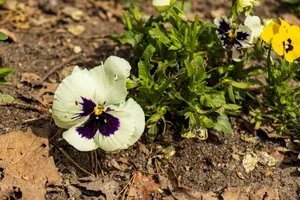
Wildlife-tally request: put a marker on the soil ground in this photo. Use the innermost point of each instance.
(41, 40)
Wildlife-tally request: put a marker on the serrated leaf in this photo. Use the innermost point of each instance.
(159, 35)
(213, 100)
(131, 38)
(223, 124)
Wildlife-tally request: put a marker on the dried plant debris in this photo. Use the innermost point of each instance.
(27, 169)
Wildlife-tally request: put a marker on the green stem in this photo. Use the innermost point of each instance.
(270, 75)
(182, 5)
(194, 36)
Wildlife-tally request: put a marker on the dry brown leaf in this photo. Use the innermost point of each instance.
(143, 186)
(26, 164)
(236, 193)
(185, 193)
(30, 78)
(266, 193)
(105, 184)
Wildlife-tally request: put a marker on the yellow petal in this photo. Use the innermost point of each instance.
(284, 23)
(277, 44)
(269, 31)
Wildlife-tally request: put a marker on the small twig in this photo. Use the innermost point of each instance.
(26, 106)
(126, 186)
(57, 132)
(36, 119)
(58, 67)
(71, 160)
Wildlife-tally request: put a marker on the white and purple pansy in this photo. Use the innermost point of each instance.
(234, 38)
(91, 105)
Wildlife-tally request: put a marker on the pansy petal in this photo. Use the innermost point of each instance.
(135, 110)
(68, 97)
(278, 41)
(236, 55)
(79, 142)
(284, 23)
(120, 137)
(269, 30)
(223, 25)
(111, 80)
(243, 34)
(254, 23)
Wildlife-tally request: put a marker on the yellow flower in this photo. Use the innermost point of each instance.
(269, 30)
(287, 41)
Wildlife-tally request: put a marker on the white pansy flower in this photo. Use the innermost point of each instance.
(254, 23)
(91, 105)
(162, 5)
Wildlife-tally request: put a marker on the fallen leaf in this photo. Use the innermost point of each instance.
(250, 162)
(76, 29)
(26, 164)
(265, 159)
(236, 193)
(142, 186)
(105, 184)
(185, 193)
(266, 193)
(30, 78)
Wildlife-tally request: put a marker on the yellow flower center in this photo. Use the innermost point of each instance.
(99, 109)
(231, 34)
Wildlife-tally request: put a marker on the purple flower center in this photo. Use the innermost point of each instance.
(105, 123)
(230, 37)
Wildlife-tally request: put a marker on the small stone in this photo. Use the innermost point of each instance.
(77, 49)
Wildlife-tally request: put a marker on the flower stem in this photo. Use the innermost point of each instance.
(270, 75)
(182, 5)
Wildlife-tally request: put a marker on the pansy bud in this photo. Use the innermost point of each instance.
(162, 5)
(246, 6)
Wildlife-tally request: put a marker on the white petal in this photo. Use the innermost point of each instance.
(111, 80)
(117, 66)
(80, 143)
(236, 55)
(133, 108)
(121, 136)
(68, 96)
(254, 23)
(161, 2)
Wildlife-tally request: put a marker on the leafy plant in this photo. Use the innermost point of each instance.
(181, 71)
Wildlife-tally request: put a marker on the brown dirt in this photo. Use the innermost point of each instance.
(201, 165)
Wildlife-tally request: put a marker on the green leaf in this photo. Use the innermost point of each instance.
(189, 68)
(240, 85)
(223, 124)
(3, 73)
(230, 93)
(152, 131)
(131, 38)
(158, 34)
(3, 36)
(213, 100)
